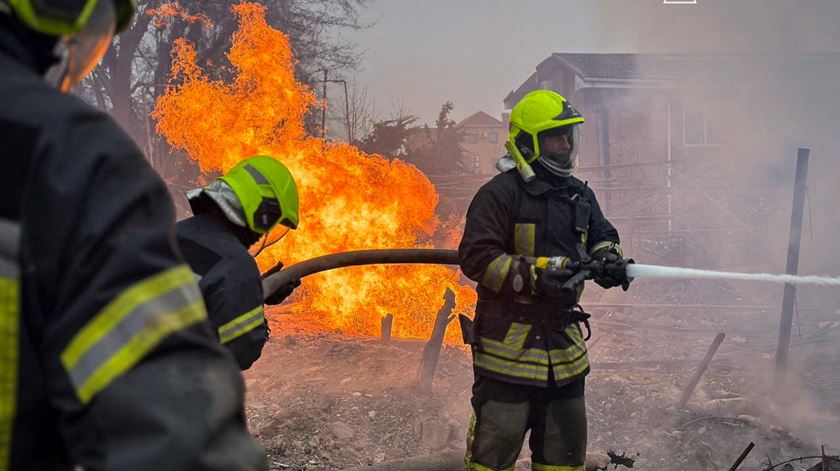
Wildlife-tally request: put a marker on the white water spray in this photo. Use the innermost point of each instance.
(635, 270)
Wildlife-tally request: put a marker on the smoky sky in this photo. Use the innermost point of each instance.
(422, 54)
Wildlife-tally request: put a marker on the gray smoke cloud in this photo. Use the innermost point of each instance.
(770, 26)
(770, 86)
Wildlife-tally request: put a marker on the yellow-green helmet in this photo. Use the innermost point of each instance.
(267, 192)
(67, 17)
(543, 113)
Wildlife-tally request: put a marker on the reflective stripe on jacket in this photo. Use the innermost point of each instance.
(522, 337)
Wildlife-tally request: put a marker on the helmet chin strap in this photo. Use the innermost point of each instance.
(556, 169)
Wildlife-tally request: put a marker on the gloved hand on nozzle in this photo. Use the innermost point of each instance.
(282, 292)
(615, 269)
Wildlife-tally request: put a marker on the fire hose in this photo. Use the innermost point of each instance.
(578, 272)
(273, 282)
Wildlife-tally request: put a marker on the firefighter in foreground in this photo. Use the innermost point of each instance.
(106, 358)
(254, 205)
(523, 231)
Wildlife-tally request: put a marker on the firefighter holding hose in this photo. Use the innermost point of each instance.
(524, 229)
(106, 357)
(234, 218)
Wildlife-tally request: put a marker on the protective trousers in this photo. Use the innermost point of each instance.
(504, 412)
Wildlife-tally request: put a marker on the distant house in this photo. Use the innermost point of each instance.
(635, 105)
(484, 142)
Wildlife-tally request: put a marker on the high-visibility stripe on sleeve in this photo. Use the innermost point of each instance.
(9, 335)
(129, 327)
(497, 271)
(524, 239)
(10, 233)
(552, 467)
(607, 244)
(241, 325)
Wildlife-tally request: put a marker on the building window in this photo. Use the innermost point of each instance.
(699, 130)
(492, 137)
(472, 137)
(476, 161)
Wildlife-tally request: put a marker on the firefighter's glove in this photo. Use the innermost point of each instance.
(552, 284)
(615, 269)
(282, 292)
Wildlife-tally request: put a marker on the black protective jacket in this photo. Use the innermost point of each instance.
(106, 358)
(528, 338)
(230, 284)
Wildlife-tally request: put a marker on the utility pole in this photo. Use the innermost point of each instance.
(792, 263)
(324, 107)
(347, 112)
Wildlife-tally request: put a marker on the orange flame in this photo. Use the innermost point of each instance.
(349, 200)
(170, 10)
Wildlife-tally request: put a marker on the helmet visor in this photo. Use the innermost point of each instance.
(559, 148)
(85, 49)
(274, 235)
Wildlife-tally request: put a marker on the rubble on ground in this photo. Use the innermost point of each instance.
(328, 401)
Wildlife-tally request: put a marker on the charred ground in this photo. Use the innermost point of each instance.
(328, 401)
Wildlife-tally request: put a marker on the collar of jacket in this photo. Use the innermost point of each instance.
(542, 184)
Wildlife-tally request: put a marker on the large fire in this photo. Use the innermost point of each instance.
(349, 200)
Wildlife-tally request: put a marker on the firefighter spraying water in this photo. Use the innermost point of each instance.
(532, 239)
(450, 257)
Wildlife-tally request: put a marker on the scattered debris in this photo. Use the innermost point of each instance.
(387, 323)
(622, 459)
(329, 401)
(431, 353)
(698, 373)
(827, 463)
(742, 457)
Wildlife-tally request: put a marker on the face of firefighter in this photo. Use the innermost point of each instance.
(80, 53)
(558, 149)
(556, 145)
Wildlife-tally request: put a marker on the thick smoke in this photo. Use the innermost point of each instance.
(770, 86)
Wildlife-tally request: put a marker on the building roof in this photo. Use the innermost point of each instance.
(626, 66)
(480, 119)
(626, 70)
